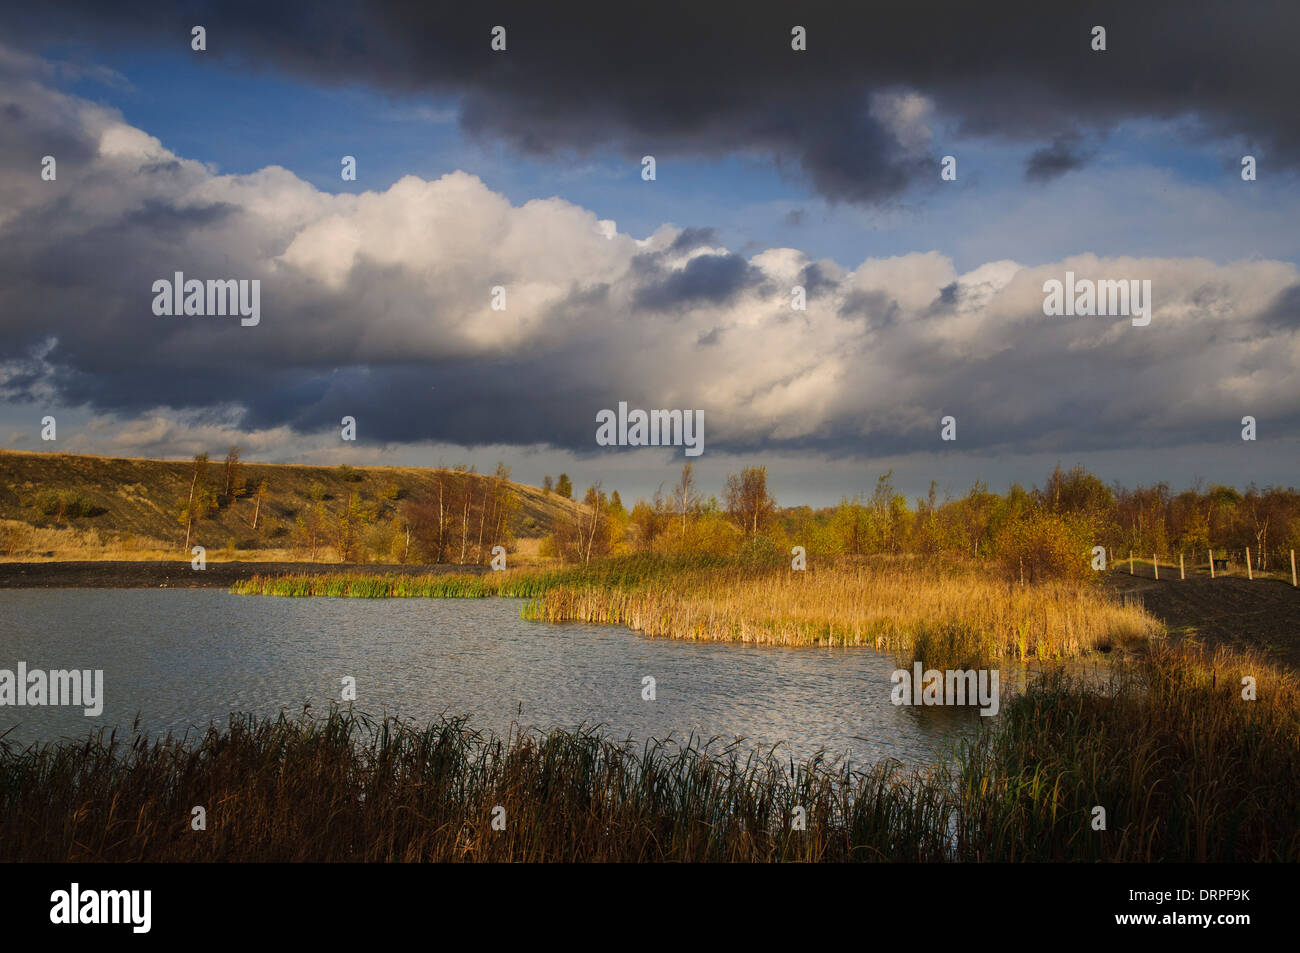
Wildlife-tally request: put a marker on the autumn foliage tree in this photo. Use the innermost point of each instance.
(748, 501)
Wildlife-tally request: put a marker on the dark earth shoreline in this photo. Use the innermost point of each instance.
(177, 574)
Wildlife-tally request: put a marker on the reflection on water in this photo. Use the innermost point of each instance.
(181, 658)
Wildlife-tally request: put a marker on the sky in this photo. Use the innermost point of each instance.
(775, 168)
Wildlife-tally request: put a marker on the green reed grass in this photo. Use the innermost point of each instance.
(625, 572)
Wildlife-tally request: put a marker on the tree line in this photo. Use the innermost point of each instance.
(1027, 533)
(460, 516)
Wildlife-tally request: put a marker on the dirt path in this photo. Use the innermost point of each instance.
(178, 574)
(1262, 614)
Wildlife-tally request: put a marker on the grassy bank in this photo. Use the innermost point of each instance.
(1185, 769)
(950, 616)
(65, 506)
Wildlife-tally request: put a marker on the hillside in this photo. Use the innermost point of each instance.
(60, 505)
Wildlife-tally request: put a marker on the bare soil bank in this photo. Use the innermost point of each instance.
(1231, 610)
(178, 574)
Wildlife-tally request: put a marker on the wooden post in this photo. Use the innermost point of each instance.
(1211, 563)
(1155, 564)
(1181, 574)
(1130, 562)
(1293, 567)
(1249, 573)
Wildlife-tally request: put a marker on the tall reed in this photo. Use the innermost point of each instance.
(947, 617)
(1185, 769)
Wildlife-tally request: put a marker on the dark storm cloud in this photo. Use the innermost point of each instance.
(711, 279)
(168, 221)
(398, 332)
(1285, 311)
(693, 238)
(815, 281)
(877, 306)
(682, 78)
(947, 299)
(1064, 155)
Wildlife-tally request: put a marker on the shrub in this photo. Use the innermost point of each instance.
(1043, 545)
(66, 505)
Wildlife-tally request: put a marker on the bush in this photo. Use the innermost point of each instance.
(14, 537)
(66, 505)
(761, 552)
(1043, 545)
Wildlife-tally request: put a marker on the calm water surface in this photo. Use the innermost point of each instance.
(182, 658)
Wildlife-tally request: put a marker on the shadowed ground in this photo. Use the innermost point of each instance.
(1263, 614)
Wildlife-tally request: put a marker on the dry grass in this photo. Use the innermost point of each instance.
(954, 617)
(22, 542)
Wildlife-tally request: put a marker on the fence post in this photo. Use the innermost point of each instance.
(1155, 564)
(1211, 563)
(1249, 572)
(1181, 574)
(1293, 567)
(1130, 562)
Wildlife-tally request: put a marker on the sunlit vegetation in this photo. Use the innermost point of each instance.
(75, 507)
(944, 613)
(454, 515)
(1024, 535)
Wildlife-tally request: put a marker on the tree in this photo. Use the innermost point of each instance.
(497, 507)
(199, 470)
(852, 524)
(257, 506)
(547, 485)
(684, 496)
(564, 487)
(346, 535)
(232, 478)
(646, 521)
(748, 501)
(597, 522)
(426, 525)
(618, 522)
(310, 528)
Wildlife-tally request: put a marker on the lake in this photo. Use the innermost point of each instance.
(181, 658)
